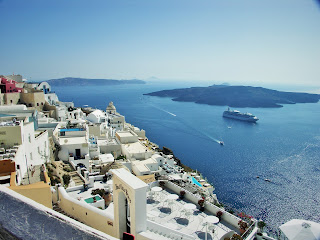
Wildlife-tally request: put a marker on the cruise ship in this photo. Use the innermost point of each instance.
(235, 114)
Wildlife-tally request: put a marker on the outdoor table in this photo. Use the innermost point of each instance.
(190, 206)
(208, 220)
(172, 197)
(156, 189)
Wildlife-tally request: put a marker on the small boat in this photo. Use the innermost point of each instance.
(229, 127)
(267, 180)
(258, 177)
(221, 143)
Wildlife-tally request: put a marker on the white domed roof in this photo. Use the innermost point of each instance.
(97, 113)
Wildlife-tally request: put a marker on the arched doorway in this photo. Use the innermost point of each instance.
(124, 214)
(129, 198)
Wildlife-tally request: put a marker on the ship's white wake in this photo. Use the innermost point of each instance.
(206, 136)
(172, 114)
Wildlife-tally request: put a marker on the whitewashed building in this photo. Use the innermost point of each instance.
(74, 143)
(21, 143)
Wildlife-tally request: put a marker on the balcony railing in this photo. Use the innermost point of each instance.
(248, 231)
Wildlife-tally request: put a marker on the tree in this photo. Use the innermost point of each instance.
(66, 179)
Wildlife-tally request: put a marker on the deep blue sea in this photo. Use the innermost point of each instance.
(283, 146)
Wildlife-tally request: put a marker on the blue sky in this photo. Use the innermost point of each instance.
(265, 41)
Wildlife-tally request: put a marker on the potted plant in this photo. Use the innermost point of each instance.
(261, 225)
(201, 204)
(219, 215)
(161, 184)
(236, 237)
(182, 193)
(243, 226)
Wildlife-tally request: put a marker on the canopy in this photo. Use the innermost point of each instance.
(298, 229)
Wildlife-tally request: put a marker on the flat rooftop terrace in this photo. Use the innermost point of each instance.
(72, 140)
(136, 147)
(176, 215)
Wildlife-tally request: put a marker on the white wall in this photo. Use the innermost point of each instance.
(41, 147)
(35, 149)
(71, 148)
(42, 222)
(61, 113)
(21, 164)
(13, 108)
(43, 84)
(51, 98)
(73, 134)
(87, 214)
(126, 137)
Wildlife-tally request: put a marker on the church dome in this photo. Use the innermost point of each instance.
(111, 107)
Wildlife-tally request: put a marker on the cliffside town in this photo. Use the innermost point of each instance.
(89, 172)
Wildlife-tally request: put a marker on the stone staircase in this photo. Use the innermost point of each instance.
(76, 178)
(56, 208)
(60, 166)
(33, 175)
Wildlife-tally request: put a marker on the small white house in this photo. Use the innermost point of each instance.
(126, 137)
(97, 116)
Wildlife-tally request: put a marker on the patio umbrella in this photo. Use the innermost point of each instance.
(298, 229)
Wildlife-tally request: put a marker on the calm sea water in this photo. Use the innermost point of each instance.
(284, 146)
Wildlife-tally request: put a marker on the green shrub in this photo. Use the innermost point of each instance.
(99, 191)
(121, 157)
(67, 169)
(66, 179)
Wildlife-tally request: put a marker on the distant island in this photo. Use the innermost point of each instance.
(70, 81)
(237, 96)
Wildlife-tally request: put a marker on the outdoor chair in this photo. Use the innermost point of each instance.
(171, 204)
(150, 195)
(189, 215)
(182, 212)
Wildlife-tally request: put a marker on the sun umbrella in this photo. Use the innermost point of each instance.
(298, 229)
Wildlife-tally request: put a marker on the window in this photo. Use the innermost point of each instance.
(37, 104)
(31, 156)
(29, 138)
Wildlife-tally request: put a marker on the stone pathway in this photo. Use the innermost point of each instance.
(33, 175)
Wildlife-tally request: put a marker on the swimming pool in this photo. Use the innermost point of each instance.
(90, 200)
(195, 181)
(71, 129)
